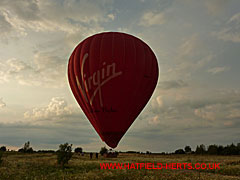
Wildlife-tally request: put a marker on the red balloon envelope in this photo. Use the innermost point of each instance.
(112, 76)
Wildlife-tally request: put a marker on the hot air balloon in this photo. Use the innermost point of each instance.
(112, 76)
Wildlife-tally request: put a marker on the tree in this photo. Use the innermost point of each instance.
(231, 150)
(179, 151)
(220, 150)
(3, 148)
(103, 151)
(26, 148)
(78, 150)
(64, 154)
(20, 150)
(1, 155)
(188, 149)
(148, 152)
(238, 148)
(212, 149)
(200, 149)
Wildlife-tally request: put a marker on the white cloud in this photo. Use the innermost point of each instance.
(221, 109)
(234, 113)
(228, 123)
(217, 70)
(5, 26)
(69, 17)
(150, 18)
(231, 31)
(215, 7)
(206, 113)
(189, 46)
(25, 9)
(154, 120)
(57, 108)
(13, 68)
(194, 108)
(159, 101)
(185, 67)
(172, 84)
(45, 70)
(111, 16)
(2, 104)
(190, 56)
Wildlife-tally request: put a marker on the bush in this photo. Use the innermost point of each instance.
(188, 149)
(103, 151)
(3, 148)
(148, 152)
(46, 151)
(64, 154)
(180, 151)
(78, 150)
(26, 148)
(200, 149)
(212, 149)
(1, 155)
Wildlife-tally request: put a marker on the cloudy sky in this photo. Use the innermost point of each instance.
(197, 99)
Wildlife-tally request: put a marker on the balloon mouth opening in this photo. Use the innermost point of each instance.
(112, 145)
(112, 138)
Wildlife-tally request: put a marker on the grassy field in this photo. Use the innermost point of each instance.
(43, 166)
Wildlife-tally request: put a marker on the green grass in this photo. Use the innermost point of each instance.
(44, 167)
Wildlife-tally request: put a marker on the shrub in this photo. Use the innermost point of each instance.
(212, 149)
(201, 149)
(188, 149)
(1, 155)
(180, 151)
(3, 148)
(103, 151)
(148, 152)
(26, 148)
(78, 150)
(64, 154)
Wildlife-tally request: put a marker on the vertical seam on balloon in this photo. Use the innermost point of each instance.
(124, 56)
(146, 66)
(130, 105)
(84, 85)
(83, 88)
(101, 39)
(98, 65)
(156, 71)
(151, 72)
(154, 59)
(138, 86)
(86, 104)
(112, 43)
(110, 137)
(89, 97)
(124, 59)
(72, 77)
(94, 114)
(144, 61)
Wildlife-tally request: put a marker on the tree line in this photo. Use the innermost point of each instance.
(214, 149)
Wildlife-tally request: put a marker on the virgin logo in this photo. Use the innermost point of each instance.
(96, 81)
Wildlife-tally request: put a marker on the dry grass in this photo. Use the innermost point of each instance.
(43, 167)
